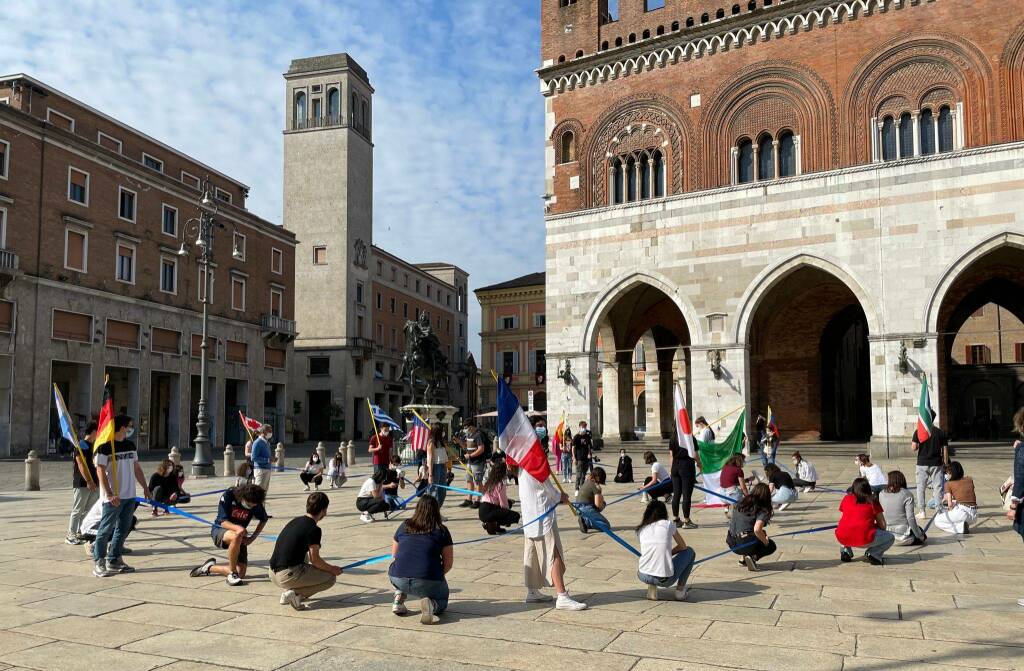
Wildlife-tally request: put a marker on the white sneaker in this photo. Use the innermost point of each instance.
(537, 596)
(1020, 602)
(566, 602)
(681, 593)
(398, 605)
(427, 607)
(366, 517)
(806, 489)
(290, 598)
(234, 580)
(783, 507)
(306, 489)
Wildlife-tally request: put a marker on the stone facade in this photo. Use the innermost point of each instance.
(93, 215)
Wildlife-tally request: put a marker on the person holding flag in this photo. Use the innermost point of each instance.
(262, 457)
(83, 484)
(117, 462)
(685, 463)
(543, 557)
(932, 448)
(381, 442)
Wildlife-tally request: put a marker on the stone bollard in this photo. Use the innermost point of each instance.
(279, 453)
(229, 461)
(343, 453)
(175, 456)
(32, 472)
(322, 451)
(350, 451)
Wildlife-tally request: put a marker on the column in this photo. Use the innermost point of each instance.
(756, 167)
(935, 130)
(797, 147)
(958, 126)
(577, 400)
(652, 392)
(734, 154)
(625, 185)
(775, 156)
(915, 118)
(611, 186)
(650, 177)
(876, 140)
(715, 398)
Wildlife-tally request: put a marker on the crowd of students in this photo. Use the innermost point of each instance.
(876, 512)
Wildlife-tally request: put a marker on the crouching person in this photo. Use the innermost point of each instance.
(289, 569)
(237, 508)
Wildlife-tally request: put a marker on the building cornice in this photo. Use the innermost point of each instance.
(731, 34)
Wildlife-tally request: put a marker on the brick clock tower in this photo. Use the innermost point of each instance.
(328, 203)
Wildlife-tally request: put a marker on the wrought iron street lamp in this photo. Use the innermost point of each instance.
(201, 229)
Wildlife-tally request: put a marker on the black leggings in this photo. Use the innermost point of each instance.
(502, 517)
(368, 504)
(757, 550)
(309, 477)
(682, 489)
(664, 489)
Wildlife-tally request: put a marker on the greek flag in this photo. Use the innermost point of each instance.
(382, 418)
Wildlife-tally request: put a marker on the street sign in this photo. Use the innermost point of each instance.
(529, 400)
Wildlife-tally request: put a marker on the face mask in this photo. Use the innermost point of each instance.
(129, 433)
(247, 505)
(946, 477)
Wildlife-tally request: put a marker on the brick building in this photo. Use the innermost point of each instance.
(93, 215)
(353, 296)
(512, 324)
(796, 203)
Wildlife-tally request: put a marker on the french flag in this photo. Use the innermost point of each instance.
(516, 436)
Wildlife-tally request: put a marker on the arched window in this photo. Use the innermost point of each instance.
(675, 26)
(568, 147)
(647, 35)
(926, 126)
(787, 155)
(632, 38)
(334, 105)
(660, 30)
(765, 158)
(366, 115)
(300, 107)
(689, 22)
(604, 46)
(945, 129)
(561, 59)
(745, 162)
(579, 53)
(354, 114)
(704, 18)
(888, 139)
(644, 166)
(752, 5)
(659, 175)
(618, 41)
(906, 135)
(630, 179)
(735, 9)
(720, 14)
(617, 184)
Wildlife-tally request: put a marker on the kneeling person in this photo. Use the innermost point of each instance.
(590, 502)
(288, 567)
(237, 508)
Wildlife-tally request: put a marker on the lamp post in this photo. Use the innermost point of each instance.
(202, 227)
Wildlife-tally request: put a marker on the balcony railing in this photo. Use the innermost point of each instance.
(318, 122)
(8, 260)
(277, 324)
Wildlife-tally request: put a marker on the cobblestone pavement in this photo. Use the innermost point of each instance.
(949, 604)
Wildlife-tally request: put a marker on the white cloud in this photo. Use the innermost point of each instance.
(458, 122)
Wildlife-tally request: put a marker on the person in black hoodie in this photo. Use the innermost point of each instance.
(163, 485)
(624, 472)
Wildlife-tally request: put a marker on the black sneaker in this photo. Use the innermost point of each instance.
(73, 540)
(118, 566)
(678, 523)
(99, 569)
(689, 525)
(875, 561)
(466, 504)
(583, 524)
(203, 569)
(845, 555)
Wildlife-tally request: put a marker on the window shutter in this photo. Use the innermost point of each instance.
(515, 362)
(531, 362)
(967, 355)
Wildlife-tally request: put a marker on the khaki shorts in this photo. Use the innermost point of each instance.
(538, 557)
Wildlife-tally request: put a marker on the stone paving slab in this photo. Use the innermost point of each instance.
(244, 652)
(91, 631)
(65, 656)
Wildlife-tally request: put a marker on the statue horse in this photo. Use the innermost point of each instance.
(424, 361)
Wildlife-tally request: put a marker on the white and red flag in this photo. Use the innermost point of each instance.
(683, 428)
(517, 438)
(249, 422)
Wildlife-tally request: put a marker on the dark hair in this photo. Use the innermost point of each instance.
(700, 420)
(897, 481)
(470, 423)
(771, 470)
(495, 475)
(92, 426)
(437, 434)
(314, 453)
(757, 501)
(396, 459)
(600, 477)
(121, 421)
(378, 477)
(655, 512)
(317, 503)
(864, 458)
(736, 460)
(649, 457)
(426, 517)
(252, 493)
(862, 490)
(244, 469)
(955, 470)
(797, 456)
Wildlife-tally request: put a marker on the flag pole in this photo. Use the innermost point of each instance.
(373, 421)
(245, 426)
(731, 412)
(80, 456)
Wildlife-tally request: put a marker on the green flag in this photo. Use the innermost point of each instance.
(714, 455)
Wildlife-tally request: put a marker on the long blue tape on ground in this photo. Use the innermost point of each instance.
(751, 543)
(639, 491)
(182, 513)
(216, 491)
(459, 490)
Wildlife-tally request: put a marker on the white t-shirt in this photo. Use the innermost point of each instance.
(806, 471)
(440, 455)
(122, 474)
(874, 475)
(314, 468)
(536, 498)
(367, 489)
(656, 543)
(659, 472)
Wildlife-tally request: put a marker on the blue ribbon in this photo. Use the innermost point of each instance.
(459, 490)
(216, 491)
(640, 491)
(182, 513)
(756, 540)
(718, 494)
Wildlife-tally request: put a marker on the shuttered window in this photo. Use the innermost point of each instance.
(238, 293)
(76, 249)
(165, 341)
(6, 316)
(197, 346)
(274, 357)
(72, 326)
(122, 334)
(237, 352)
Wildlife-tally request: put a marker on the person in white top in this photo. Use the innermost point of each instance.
(872, 472)
(806, 474)
(543, 557)
(665, 559)
(659, 478)
(704, 433)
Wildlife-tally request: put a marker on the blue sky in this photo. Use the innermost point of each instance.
(458, 117)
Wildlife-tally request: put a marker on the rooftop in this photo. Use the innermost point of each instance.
(340, 61)
(531, 280)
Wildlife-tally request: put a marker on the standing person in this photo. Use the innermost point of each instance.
(566, 446)
(898, 507)
(582, 454)
(495, 511)
(288, 567)
(872, 473)
(261, 457)
(163, 485)
(659, 480)
(336, 470)
(543, 557)
(236, 509)
(370, 499)
(806, 474)
(767, 441)
(84, 489)
(704, 433)
(624, 471)
(476, 455)
(683, 471)
(1016, 512)
(590, 502)
(437, 460)
(862, 524)
(381, 444)
(117, 471)
(932, 456)
(746, 536)
(781, 485)
(423, 554)
(313, 471)
(960, 501)
(542, 432)
(665, 559)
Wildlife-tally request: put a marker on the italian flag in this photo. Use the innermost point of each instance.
(924, 414)
(713, 457)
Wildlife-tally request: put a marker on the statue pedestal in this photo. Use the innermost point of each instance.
(432, 413)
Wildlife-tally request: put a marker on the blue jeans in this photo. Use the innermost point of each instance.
(769, 459)
(592, 517)
(394, 502)
(784, 495)
(115, 524)
(437, 590)
(682, 564)
(883, 541)
(440, 473)
(566, 468)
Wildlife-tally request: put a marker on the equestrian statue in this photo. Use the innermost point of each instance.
(425, 364)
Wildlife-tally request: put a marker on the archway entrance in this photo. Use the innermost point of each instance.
(809, 358)
(643, 344)
(981, 347)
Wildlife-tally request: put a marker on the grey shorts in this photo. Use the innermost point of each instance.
(478, 472)
(218, 539)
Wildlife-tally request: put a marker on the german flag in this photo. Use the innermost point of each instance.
(105, 428)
